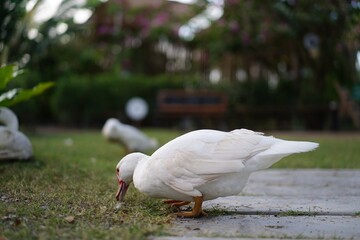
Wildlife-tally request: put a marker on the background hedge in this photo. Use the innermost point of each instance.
(84, 100)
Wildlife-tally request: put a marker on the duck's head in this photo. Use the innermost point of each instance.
(125, 171)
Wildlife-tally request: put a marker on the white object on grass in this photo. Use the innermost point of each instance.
(129, 136)
(13, 143)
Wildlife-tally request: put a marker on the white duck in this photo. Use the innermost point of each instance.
(203, 165)
(13, 144)
(130, 137)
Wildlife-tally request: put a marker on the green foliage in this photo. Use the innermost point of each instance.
(88, 100)
(15, 10)
(6, 74)
(267, 33)
(12, 25)
(273, 32)
(16, 95)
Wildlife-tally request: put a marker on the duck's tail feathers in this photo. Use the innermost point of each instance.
(279, 150)
(289, 147)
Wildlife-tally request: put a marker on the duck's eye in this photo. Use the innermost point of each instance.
(117, 170)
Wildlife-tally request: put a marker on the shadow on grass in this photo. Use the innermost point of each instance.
(32, 162)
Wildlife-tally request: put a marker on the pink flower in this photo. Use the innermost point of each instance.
(142, 21)
(104, 29)
(144, 33)
(160, 19)
(234, 26)
(245, 38)
(231, 2)
(221, 22)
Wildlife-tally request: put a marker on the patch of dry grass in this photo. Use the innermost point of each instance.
(68, 191)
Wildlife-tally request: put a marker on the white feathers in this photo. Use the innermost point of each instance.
(13, 144)
(130, 137)
(209, 163)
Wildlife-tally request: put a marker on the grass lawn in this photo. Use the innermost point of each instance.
(68, 189)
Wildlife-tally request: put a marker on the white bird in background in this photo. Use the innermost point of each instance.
(13, 144)
(130, 137)
(203, 165)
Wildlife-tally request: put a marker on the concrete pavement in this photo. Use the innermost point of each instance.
(288, 204)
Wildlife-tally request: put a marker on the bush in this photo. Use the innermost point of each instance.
(85, 100)
(90, 100)
(258, 93)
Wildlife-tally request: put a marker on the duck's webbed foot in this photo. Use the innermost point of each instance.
(176, 203)
(196, 211)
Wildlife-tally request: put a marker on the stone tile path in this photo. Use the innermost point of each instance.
(302, 204)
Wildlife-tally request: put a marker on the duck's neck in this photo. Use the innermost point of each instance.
(132, 161)
(8, 119)
(141, 169)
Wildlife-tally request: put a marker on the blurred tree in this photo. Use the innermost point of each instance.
(129, 32)
(14, 23)
(299, 47)
(28, 39)
(12, 13)
(26, 34)
(313, 43)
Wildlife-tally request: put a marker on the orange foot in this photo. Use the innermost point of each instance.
(196, 211)
(175, 203)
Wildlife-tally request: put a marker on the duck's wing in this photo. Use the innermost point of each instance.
(205, 155)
